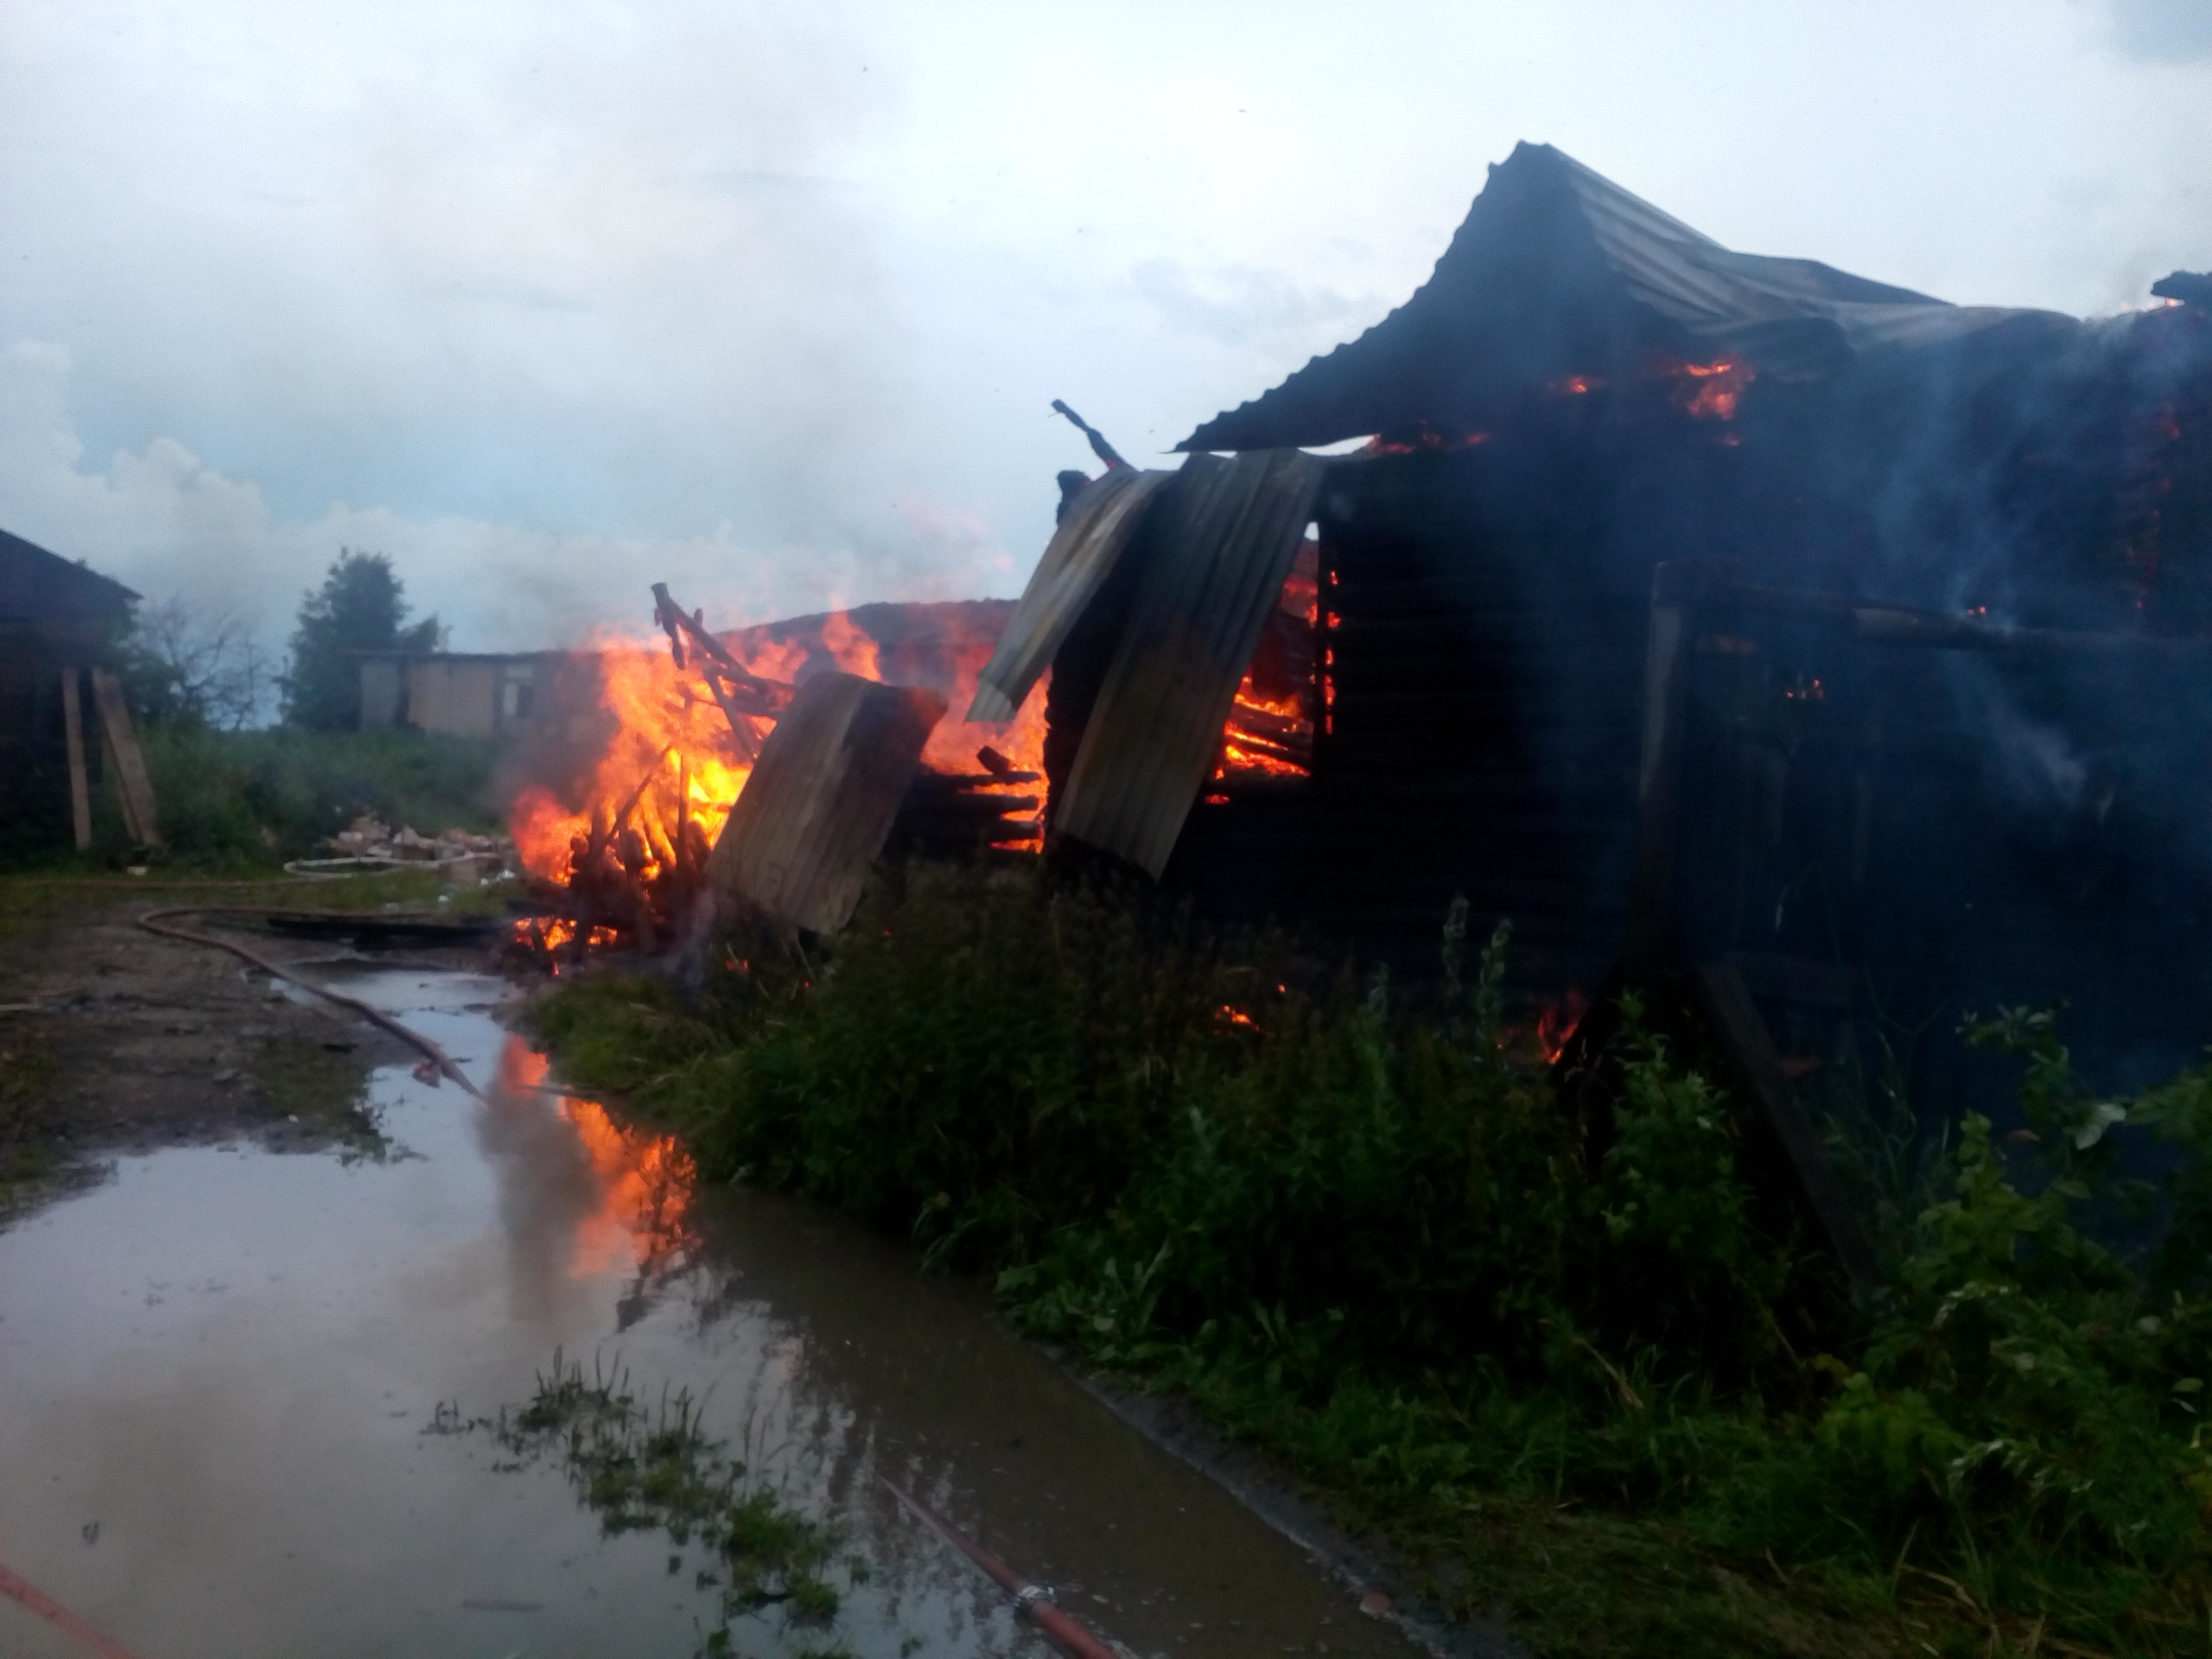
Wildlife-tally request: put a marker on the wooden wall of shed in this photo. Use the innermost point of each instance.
(34, 754)
(1482, 616)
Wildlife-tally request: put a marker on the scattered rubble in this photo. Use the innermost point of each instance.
(461, 857)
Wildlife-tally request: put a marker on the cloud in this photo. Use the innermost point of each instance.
(162, 521)
(1236, 304)
(2162, 31)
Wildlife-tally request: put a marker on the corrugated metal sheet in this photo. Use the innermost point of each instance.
(1547, 246)
(822, 799)
(1082, 554)
(1215, 554)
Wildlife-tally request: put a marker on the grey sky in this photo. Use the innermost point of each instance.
(553, 301)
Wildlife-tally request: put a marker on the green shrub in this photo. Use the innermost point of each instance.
(275, 793)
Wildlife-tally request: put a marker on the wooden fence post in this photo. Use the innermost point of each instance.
(137, 789)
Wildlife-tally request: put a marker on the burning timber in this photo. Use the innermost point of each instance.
(706, 727)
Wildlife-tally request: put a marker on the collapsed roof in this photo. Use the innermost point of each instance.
(1559, 271)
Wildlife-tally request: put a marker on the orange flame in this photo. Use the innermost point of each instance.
(673, 751)
(1269, 731)
(1558, 1023)
(1714, 388)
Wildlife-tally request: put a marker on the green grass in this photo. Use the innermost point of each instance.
(1614, 1393)
(26, 1158)
(276, 793)
(640, 1469)
(242, 800)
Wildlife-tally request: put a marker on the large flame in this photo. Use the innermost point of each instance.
(672, 749)
(675, 767)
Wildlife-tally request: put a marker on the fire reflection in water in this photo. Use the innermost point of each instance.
(637, 1214)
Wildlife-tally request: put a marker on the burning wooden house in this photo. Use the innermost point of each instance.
(1682, 603)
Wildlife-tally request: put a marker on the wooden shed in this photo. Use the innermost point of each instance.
(59, 620)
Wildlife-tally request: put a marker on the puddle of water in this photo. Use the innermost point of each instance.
(215, 1371)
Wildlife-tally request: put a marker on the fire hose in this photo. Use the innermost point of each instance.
(156, 921)
(28, 1595)
(1035, 1600)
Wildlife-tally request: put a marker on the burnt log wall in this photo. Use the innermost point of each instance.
(1490, 603)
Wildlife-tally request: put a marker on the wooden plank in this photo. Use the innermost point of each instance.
(1216, 555)
(822, 799)
(1739, 1023)
(1082, 554)
(80, 792)
(135, 788)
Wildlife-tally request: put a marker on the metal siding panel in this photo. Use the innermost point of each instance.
(822, 798)
(381, 680)
(1215, 562)
(1082, 554)
(426, 698)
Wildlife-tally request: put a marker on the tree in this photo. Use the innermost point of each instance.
(184, 666)
(360, 607)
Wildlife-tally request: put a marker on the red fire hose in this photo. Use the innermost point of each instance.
(29, 1595)
(156, 921)
(1036, 1600)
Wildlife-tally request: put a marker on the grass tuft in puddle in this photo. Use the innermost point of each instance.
(28, 1165)
(642, 1468)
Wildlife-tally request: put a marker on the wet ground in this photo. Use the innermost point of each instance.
(218, 1368)
(114, 1040)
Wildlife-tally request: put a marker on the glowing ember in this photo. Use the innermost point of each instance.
(1266, 736)
(1235, 1016)
(1269, 732)
(1422, 441)
(1557, 1024)
(1714, 388)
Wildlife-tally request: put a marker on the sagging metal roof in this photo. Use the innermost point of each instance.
(1215, 554)
(1556, 271)
(822, 797)
(1082, 554)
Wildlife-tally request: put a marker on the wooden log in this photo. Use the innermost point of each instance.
(81, 794)
(968, 809)
(1265, 723)
(134, 788)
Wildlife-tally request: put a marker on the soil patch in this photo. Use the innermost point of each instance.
(113, 1040)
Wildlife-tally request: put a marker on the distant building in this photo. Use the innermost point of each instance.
(510, 696)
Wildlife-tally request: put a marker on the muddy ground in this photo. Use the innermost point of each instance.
(114, 1041)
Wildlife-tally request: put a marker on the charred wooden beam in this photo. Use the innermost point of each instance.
(1099, 446)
